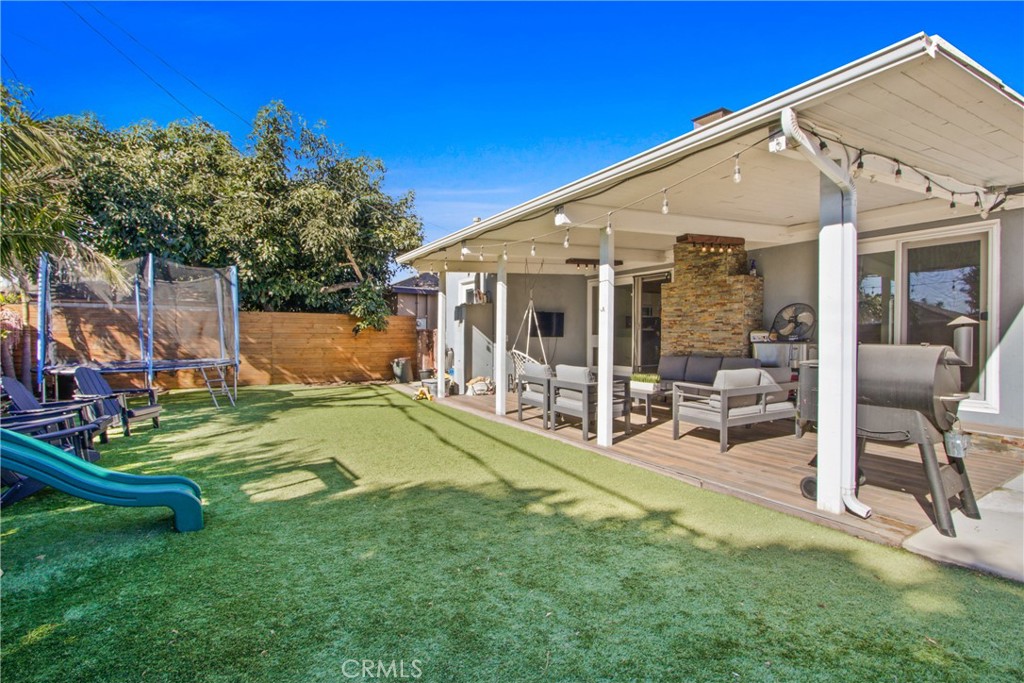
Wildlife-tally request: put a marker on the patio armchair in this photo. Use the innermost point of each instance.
(533, 388)
(574, 393)
(737, 397)
(114, 402)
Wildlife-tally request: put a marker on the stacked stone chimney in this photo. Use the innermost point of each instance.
(712, 304)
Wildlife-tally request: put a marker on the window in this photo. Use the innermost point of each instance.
(912, 286)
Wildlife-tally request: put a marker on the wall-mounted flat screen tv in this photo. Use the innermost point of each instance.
(549, 324)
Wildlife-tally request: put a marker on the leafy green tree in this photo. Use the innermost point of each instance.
(35, 210)
(309, 227)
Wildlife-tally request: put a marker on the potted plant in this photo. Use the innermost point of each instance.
(644, 381)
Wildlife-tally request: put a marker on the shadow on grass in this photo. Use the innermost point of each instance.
(524, 559)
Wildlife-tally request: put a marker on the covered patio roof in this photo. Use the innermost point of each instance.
(920, 107)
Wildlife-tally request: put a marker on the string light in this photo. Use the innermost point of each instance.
(504, 253)
(481, 253)
(931, 186)
(463, 251)
(823, 146)
(608, 228)
(446, 264)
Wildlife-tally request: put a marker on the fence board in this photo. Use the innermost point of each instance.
(310, 348)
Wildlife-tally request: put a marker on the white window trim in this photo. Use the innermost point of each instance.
(989, 403)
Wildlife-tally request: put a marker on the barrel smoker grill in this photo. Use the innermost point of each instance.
(907, 394)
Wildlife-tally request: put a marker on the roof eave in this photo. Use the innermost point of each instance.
(715, 132)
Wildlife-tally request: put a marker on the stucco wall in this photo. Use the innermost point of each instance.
(791, 274)
(563, 293)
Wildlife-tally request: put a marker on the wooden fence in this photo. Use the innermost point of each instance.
(275, 348)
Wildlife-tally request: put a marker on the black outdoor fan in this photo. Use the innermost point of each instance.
(795, 322)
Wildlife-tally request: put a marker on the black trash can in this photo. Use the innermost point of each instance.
(402, 370)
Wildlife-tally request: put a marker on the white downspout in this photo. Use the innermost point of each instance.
(837, 407)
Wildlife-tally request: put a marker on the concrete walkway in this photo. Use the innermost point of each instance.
(993, 544)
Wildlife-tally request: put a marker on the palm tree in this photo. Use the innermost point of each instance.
(35, 211)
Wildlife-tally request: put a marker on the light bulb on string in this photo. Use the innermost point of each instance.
(899, 172)
(565, 242)
(608, 227)
(703, 248)
(928, 188)
(504, 253)
(664, 201)
(952, 202)
(823, 146)
(481, 253)
(860, 165)
(463, 251)
(736, 177)
(446, 264)
(977, 201)
(533, 247)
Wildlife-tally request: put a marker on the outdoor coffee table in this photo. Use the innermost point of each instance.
(646, 395)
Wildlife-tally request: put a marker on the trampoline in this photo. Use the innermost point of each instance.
(171, 318)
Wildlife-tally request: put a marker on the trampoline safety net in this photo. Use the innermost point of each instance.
(170, 317)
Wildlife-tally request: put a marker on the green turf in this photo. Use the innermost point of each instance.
(355, 523)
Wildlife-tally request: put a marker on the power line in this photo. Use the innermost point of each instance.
(11, 68)
(171, 67)
(130, 60)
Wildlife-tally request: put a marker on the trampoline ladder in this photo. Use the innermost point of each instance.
(218, 380)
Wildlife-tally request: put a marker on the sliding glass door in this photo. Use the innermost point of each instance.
(637, 322)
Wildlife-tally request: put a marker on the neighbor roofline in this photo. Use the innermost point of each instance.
(715, 132)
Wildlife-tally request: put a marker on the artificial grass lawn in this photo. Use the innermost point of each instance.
(356, 524)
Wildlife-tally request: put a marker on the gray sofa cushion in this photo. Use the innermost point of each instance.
(773, 376)
(732, 363)
(573, 373)
(702, 369)
(672, 368)
(736, 379)
(535, 370)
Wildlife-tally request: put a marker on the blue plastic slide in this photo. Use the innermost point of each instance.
(52, 466)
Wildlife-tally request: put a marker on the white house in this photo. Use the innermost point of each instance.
(890, 186)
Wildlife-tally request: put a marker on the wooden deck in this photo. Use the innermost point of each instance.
(765, 463)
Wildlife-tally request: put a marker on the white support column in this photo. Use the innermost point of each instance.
(837, 347)
(440, 343)
(500, 340)
(605, 337)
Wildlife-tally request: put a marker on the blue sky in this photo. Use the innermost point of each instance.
(475, 106)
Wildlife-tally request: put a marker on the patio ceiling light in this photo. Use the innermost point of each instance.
(560, 218)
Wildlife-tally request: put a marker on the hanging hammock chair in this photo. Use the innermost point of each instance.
(530, 322)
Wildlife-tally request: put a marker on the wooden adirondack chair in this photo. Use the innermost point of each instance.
(114, 402)
(23, 402)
